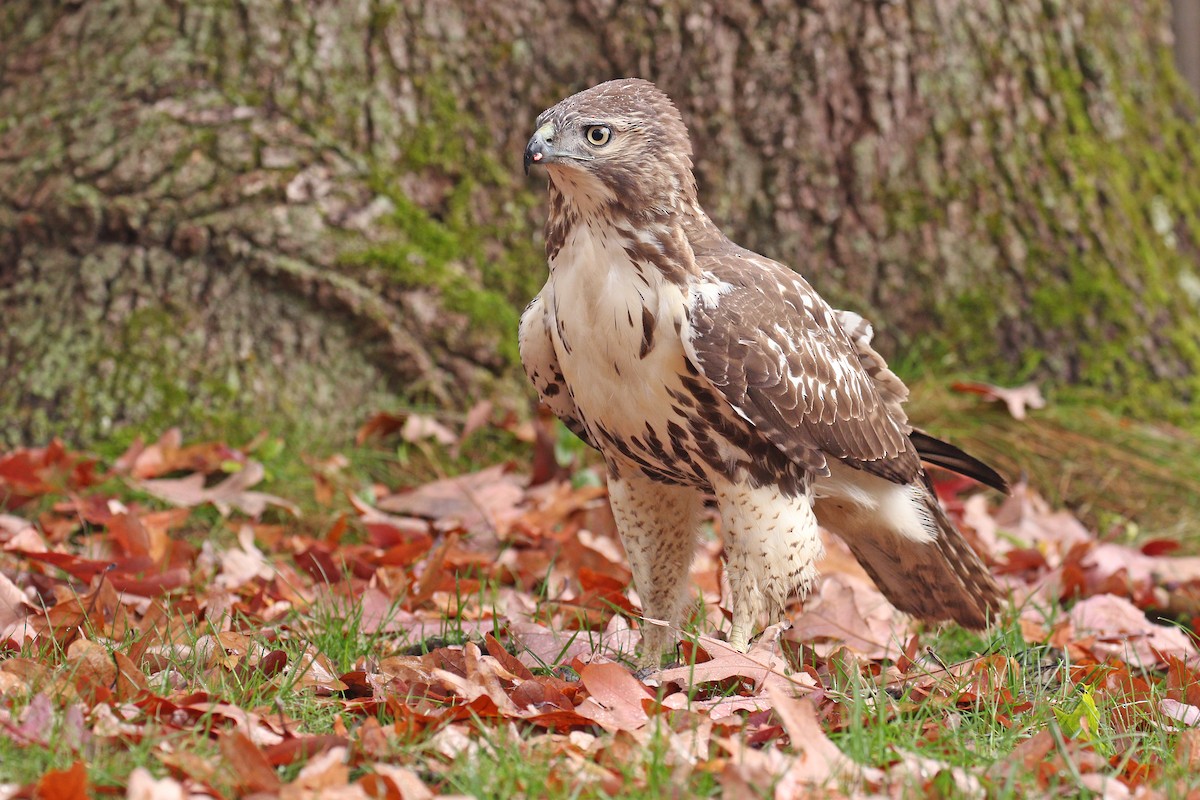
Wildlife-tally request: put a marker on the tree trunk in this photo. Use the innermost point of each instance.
(245, 212)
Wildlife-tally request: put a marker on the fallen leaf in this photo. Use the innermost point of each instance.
(143, 786)
(419, 427)
(480, 502)
(1180, 712)
(15, 609)
(1187, 750)
(849, 611)
(233, 492)
(1122, 631)
(614, 697)
(476, 419)
(1017, 398)
(818, 760)
(325, 772)
(763, 667)
(406, 783)
(248, 765)
(67, 784)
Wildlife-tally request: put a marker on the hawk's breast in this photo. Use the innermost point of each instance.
(615, 325)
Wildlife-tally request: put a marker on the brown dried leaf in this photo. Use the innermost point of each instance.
(233, 492)
(419, 427)
(249, 767)
(243, 564)
(323, 774)
(143, 786)
(848, 610)
(817, 760)
(764, 667)
(406, 783)
(614, 697)
(14, 612)
(1122, 631)
(477, 418)
(480, 502)
(1187, 751)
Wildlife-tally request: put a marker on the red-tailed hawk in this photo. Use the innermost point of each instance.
(699, 368)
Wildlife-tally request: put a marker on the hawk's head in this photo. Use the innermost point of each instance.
(620, 142)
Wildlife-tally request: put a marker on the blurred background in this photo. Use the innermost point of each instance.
(286, 216)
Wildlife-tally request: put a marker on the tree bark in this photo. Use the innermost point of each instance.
(263, 211)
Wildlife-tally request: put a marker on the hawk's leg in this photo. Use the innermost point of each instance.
(771, 549)
(658, 525)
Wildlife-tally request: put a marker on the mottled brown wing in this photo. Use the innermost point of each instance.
(776, 351)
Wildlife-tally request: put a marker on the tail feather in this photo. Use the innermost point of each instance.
(934, 580)
(945, 455)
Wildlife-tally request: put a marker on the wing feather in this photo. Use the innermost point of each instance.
(541, 366)
(779, 354)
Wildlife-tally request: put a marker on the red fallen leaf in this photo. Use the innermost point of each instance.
(37, 722)
(15, 610)
(543, 696)
(763, 665)
(272, 663)
(691, 653)
(405, 554)
(153, 585)
(30, 472)
(291, 750)
(1134, 773)
(849, 609)
(129, 535)
(1024, 560)
(1074, 583)
(68, 784)
(85, 569)
(604, 594)
(1031, 752)
(96, 509)
(1159, 547)
(389, 531)
(320, 564)
(249, 767)
(379, 427)
(1017, 398)
(1183, 682)
(818, 758)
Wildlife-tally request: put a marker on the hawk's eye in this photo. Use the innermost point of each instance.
(598, 135)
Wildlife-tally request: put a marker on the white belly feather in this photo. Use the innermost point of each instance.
(596, 303)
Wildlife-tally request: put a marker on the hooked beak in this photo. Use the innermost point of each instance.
(539, 150)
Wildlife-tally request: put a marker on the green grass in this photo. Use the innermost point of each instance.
(879, 723)
(1123, 478)
(875, 722)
